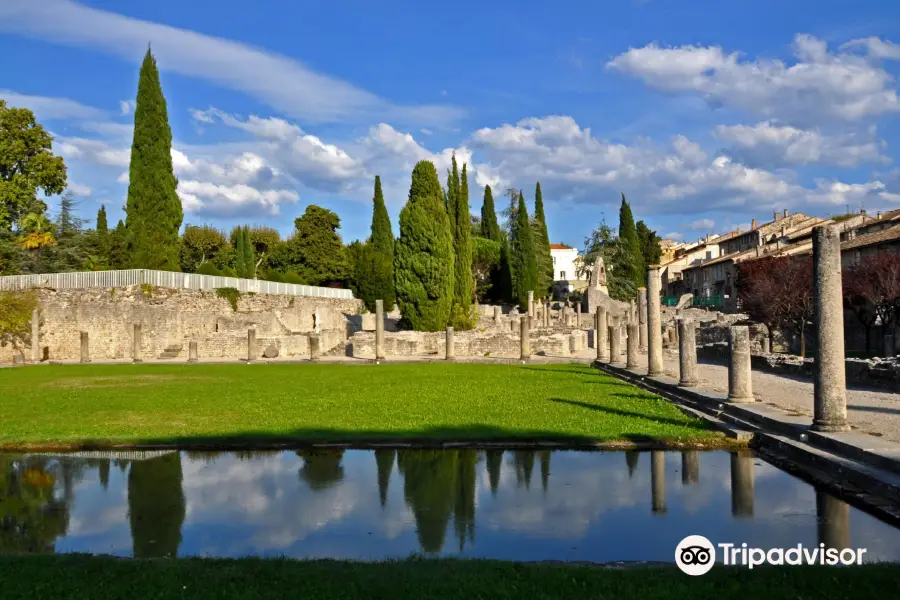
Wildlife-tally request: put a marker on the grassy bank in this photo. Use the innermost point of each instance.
(238, 403)
(90, 578)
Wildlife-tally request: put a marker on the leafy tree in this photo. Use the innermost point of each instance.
(32, 514)
(630, 258)
(604, 242)
(651, 251)
(372, 271)
(72, 248)
(485, 263)
(199, 244)
(380, 280)
(240, 260)
(522, 255)
(460, 223)
(872, 289)
(315, 250)
(501, 282)
(423, 254)
(156, 506)
(489, 227)
(249, 256)
(26, 166)
(542, 245)
(16, 309)
(117, 256)
(153, 210)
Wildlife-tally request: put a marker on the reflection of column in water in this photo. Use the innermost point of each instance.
(658, 481)
(631, 460)
(690, 467)
(742, 484)
(834, 521)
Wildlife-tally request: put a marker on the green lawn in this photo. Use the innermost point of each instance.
(88, 578)
(222, 403)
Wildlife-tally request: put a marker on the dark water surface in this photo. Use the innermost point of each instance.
(520, 505)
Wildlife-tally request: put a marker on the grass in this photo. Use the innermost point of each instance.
(208, 404)
(88, 578)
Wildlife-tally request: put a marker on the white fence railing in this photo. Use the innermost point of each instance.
(166, 279)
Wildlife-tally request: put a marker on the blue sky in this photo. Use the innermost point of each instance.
(705, 114)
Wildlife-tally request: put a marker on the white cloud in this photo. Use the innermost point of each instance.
(47, 108)
(819, 86)
(674, 235)
(770, 144)
(702, 225)
(95, 152)
(876, 47)
(126, 107)
(79, 189)
(226, 200)
(283, 83)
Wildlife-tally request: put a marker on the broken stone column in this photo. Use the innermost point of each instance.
(525, 338)
(514, 324)
(615, 345)
(690, 467)
(631, 347)
(766, 347)
(671, 337)
(742, 484)
(547, 315)
(85, 348)
(531, 304)
(136, 350)
(193, 354)
(35, 336)
(642, 316)
(830, 384)
(658, 481)
(315, 347)
(654, 324)
(578, 314)
(498, 314)
(687, 353)
(603, 334)
(833, 516)
(251, 344)
(740, 382)
(450, 352)
(889, 345)
(379, 330)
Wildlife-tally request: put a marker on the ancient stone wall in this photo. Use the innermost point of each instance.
(496, 343)
(171, 318)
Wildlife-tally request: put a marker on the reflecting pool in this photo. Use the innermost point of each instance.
(518, 505)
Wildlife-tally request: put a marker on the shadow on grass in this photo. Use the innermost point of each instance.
(626, 413)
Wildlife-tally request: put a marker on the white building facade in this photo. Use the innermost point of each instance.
(566, 263)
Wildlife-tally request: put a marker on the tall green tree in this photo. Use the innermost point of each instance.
(523, 261)
(651, 251)
(199, 246)
(423, 254)
(380, 280)
(372, 274)
(153, 209)
(382, 235)
(315, 251)
(102, 226)
(631, 263)
(249, 257)
(237, 237)
(463, 284)
(501, 279)
(542, 245)
(117, 256)
(490, 229)
(604, 242)
(26, 166)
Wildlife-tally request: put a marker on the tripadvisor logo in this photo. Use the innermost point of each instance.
(696, 555)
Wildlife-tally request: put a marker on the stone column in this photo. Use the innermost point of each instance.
(315, 347)
(830, 384)
(741, 484)
(36, 336)
(525, 338)
(615, 345)
(690, 467)
(514, 324)
(766, 345)
(251, 344)
(531, 304)
(85, 348)
(833, 521)
(654, 324)
(889, 345)
(687, 353)
(136, 349)
(578, 315)
(602, 334)
(642, 316)
(193, 354)
(450, 352)
(740, 383)
(631, 347)
(379, 330)
(658, 481)
(498, 314)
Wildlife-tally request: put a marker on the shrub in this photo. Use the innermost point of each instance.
(208, 268)
(228, 272)
(292, 277)
(147, 289)
(16, 308)
(231, 294)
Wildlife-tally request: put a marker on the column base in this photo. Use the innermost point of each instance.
(631, 365)
(136, 361)
(84, 361)
(192, 360)
(655, 373)
(744, 400)
(830, 426)
(689, 383)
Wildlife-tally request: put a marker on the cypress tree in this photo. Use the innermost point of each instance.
(501, 285)
(651, 252)
(423, 254)
(249, 256)
(240, 265)
(381, 279)
(382, 236)
(631, 263)
(102, 227)
(462, 246)
(153, 209)
(103, 237)
(523, 262)
(489, 227)
(542, 245)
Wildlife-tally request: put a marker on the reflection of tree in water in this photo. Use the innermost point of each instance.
(384, 459)
(321, 467)
(631, 460)
(464, 507)
(524, 462)
(429, 478)
(545, 468)
(494, 464)
(156, 506)
(31, 515)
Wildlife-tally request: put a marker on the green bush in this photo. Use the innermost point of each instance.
(292, 277)
(208, 268)
(231, 294)
(273, 275)
(16, 309)
(228, 272)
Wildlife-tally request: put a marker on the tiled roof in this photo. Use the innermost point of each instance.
(560, 247)
(871, 239)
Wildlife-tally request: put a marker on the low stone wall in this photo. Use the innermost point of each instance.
(878, 372)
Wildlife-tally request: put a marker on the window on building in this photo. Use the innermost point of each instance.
(554, 260)
(562, 275)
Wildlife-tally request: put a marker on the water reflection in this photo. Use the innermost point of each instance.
(344, 504)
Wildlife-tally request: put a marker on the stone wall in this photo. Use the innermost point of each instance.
(171, 318)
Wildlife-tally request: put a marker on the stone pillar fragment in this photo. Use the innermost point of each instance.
(741, 484)
(193, 354)
(631, 348)
(498, 314)
(525, 338)
(615, 345)
(766, 345)
(35, 336)
(830, 384)
(642, 316)
(578, 314)
(740, 382)
(450, 351)
(654, 324)
(136, 347)
(315, 347)
(251, 344)
(379, 330)
(658, 481)
(687, 353)
(531, 304)
(833, 516)
(602, 334)
(85, 347)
